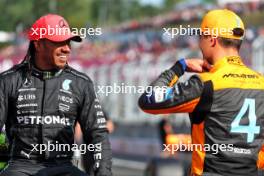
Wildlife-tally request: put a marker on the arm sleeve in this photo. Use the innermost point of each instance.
(166, 95)
(3, 104)
(3, 117)
(93, 125)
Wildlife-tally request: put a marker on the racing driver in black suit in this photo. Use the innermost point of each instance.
(41, 101)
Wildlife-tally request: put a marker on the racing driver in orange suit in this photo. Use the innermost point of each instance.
(225, 100)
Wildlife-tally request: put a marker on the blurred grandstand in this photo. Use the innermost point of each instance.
(132, 54)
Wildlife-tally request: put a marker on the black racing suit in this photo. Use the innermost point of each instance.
(41, 108)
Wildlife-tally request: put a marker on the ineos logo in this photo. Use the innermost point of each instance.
(65, 99)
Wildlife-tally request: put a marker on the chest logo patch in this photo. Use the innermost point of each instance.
(27, 83)
(66, 84)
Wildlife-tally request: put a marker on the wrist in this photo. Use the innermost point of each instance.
(179, 67)
(183, 63)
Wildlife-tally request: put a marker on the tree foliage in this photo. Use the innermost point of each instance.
(80, 13)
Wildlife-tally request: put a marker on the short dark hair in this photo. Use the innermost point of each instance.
(230, 43)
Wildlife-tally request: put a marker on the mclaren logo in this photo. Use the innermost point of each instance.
(66, 84)
(232, 75)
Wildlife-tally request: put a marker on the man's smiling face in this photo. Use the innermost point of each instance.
(55, 54)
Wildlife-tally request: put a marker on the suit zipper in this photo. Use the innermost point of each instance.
(42, 112)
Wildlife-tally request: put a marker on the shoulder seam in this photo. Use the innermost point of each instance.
(12, 69)
(78, 74)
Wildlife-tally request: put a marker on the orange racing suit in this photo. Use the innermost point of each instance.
(225, 106)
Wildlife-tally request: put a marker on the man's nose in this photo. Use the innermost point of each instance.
(66, 48)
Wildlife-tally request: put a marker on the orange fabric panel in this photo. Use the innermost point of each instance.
(198, 155)
(173, 81)
(186, 107)
(260, 162)
(230, 72)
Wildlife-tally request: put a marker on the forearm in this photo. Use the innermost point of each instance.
(105, 163)
(168, 96)
(169, 77)
(102, 152)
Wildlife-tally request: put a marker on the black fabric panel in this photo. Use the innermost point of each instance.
(227, 104)
(177, 69)
(204, 104)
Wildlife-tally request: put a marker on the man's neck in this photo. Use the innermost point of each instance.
(40, 64)
(44, 73)
(221, 53)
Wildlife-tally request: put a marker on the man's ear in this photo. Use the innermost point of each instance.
(213, 41)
